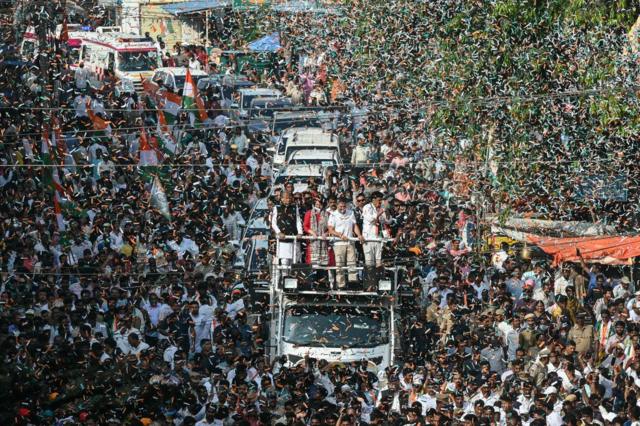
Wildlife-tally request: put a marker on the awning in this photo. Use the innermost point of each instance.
(552, 228)
(268, 43)
(618, 250)
(195, 6)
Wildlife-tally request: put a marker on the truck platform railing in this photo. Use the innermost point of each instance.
(319, 279)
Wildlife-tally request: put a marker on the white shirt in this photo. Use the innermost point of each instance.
(81, 76)
(186, 245)
(370, 222)
(194, 64)
(560, 285)
(128, 349)
(343, 224)
(80, 106)
(630, 307)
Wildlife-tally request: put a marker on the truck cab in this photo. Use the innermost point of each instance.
(311, 317)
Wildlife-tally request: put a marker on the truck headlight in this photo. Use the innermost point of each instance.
(384, 285)
(290, 283)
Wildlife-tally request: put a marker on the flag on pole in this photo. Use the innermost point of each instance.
(148, 155)
(191, 99)
(159, 198)
(167, 142)
(64, 33)
(171, 106)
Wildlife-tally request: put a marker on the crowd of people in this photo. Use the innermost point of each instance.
(119, 302)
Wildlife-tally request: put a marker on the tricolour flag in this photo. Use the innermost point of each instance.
(171, 106)
(148, 155)
(168, 143)
(191, 99)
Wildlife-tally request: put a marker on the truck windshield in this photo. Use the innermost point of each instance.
(283, 123)
(336, 326)
(137, 61)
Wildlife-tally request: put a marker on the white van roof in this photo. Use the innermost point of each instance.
(262, 91)
(120, 41)
(318, 154)
(309, 136)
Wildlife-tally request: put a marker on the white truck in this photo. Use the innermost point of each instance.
(323, 322)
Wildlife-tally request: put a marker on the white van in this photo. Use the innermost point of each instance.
(304, 138)
(130, 57)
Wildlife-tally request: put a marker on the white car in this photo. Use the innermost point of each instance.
(298, 139)
(247, 95)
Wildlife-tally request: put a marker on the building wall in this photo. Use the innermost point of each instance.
(157, 22)
(185, 29)
(130, 16)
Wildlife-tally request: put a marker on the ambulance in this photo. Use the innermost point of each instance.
(131, 58)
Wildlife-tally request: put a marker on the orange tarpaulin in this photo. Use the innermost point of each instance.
(605, 249)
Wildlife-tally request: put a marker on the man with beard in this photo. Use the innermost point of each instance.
(285, 220)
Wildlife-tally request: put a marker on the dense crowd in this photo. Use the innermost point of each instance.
(123, 307)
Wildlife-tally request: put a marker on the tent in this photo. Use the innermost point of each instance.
(268, 43)
(611, 250)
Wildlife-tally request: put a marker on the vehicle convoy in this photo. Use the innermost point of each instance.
(309, 318)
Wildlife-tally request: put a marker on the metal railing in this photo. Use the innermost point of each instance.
(295, 238)
(290, 238)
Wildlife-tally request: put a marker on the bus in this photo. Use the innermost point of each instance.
(131, 58)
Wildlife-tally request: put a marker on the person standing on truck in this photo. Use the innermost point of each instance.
(81, 77)
(315, 225)
(342, 224)
(285, 220)
(373, 217)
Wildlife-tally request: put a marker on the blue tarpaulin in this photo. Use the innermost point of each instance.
(194, 6)
(268, 43)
